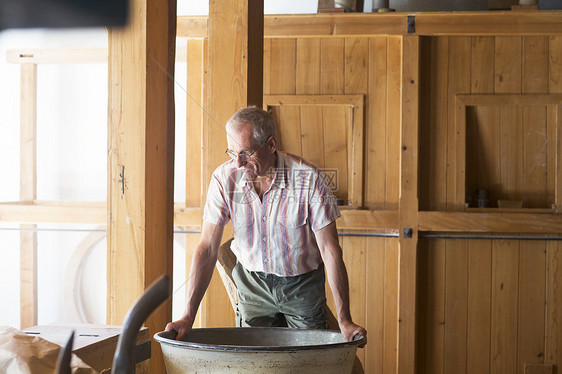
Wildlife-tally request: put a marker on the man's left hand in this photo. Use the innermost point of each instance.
(349, 330)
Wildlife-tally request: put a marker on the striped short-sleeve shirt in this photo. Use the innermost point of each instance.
(274, 234)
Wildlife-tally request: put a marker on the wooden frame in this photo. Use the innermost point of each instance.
(426, 24)
(552, 102)
(355, 132)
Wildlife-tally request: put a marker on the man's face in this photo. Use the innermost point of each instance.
(239, 140)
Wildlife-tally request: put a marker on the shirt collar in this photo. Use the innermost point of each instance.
(280, 179)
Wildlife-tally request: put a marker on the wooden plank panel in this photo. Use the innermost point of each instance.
(511, 132)
(289, 132)
(551, 136)
(553, 339)
(459, 150)
(555, 64)
(354, 257)
(431, 313)
(194, 114)
(391, 306)
(505, 283)
(336, 152)
(426, 124)
(535, 64)
(356, 156)
(332, 67)
(308, 66)
(483, 55)
(508, 64)
(479, 306)
(459, 82)
(532, 300)
(456, 308)
(266, 66)
(312, 135)
(535, 158)
(393, 97)
(356, 65)
(437, 100)
(283, 66)
(375, 295)
(554, 87)
(375, 132)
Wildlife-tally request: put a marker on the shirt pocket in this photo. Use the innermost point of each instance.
(293, 231)
(243, 221)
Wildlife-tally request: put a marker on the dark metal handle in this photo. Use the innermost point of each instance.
(155, 294)
(65, 355)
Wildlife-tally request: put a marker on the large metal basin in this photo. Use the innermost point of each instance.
(258, 350)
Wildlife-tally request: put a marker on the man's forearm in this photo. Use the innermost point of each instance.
(199, 278)
(337, 279)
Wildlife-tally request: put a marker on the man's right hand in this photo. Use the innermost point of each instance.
(181, 326)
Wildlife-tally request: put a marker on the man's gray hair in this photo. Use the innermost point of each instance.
(260, 120)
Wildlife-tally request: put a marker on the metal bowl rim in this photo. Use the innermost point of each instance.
(251, 348)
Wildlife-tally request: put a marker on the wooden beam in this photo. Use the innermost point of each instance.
(57, 56)
(40, 56)
(54, 212)
(352, 220)
(234, 80)
(313, 100)
(409, 129)
(141, 160)
(490, 23)
(490, 222)
(28, 191)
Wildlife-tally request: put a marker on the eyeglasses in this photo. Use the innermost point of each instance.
(243, 155)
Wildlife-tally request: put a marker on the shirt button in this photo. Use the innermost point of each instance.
(264, 218)
(264, 239)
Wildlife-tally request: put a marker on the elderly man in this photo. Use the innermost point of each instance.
(285, 236)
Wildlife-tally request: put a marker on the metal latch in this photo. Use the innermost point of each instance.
(411, 24)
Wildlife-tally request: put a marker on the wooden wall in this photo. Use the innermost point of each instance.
(488, 306)
(484, 306)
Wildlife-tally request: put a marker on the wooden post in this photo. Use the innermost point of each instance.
(408, 204)
(28, 192)
(234, 80)
(141, 160)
